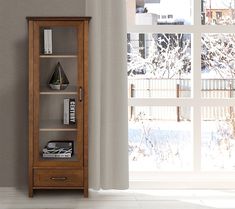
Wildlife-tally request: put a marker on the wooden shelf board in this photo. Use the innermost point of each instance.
(56, 125)
(57, 129)
(57, 56)
(60, 93)
(70, 90)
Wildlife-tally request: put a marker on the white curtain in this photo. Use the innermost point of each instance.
(108, 124)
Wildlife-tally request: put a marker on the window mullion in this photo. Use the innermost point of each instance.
(196, 13)
(196, 92)
(130, 6)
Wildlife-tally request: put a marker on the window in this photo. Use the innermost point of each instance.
(181, 61)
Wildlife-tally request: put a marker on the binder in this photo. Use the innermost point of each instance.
(47, 41)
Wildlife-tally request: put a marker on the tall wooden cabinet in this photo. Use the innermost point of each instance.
(58, 146)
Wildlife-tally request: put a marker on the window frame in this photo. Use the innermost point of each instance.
(197, 178)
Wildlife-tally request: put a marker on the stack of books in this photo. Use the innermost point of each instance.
(58, 149)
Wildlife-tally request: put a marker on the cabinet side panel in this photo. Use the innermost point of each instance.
(36, 90)
(30, 139)
(85, 119)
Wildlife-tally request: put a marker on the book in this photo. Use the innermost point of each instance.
(46, 48)
(66, 111)
(72, 111)
(50, 155)
(48, 41)
(58, 149)
(69, 111)
(68, 144)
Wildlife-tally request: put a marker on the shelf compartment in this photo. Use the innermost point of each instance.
(47, 68)
(63, 136)
(70, 90)
(75, 160)
(64, 40)
(56, 125)
(52, 113)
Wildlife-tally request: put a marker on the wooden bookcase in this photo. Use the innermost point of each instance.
(46, 106)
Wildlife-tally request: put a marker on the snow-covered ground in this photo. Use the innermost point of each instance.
(218, 146)
(168, 146)
(160, 145)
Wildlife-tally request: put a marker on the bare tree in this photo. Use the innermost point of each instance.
(169, 56)
(217, 56)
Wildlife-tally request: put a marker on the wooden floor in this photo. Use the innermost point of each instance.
(11, 198)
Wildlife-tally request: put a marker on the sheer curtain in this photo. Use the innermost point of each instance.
(108, 124)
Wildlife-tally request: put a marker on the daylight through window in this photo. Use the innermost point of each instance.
(181, 81)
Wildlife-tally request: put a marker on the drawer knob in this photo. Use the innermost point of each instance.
(59, 178)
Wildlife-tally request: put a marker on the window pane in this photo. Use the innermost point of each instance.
(218, 12)
(163, 12)
(160, 138)
(218, 138)
(218, 65)
(159, 65)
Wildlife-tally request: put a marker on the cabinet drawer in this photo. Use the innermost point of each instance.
(58, 178)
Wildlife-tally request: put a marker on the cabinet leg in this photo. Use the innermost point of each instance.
(85, 192)
(30, 192)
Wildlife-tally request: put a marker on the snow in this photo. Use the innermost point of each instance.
(166, 58)
(219, 4)
(168, 146)
(180, 9)
(158, 145)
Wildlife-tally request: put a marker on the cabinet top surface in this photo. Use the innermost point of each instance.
(64, 18)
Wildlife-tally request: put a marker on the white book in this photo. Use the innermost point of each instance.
(49, 33)
(46, 48)
(66, 111)
(64, 155)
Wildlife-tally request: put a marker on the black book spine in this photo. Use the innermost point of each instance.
(72, 111)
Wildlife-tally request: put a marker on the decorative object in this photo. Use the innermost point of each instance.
(59, 80)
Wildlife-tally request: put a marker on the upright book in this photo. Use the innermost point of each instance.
(47, 41)
(70, 111)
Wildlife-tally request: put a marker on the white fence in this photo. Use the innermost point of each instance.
(179, 88)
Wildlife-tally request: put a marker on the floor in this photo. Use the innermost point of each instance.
(129, 199)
